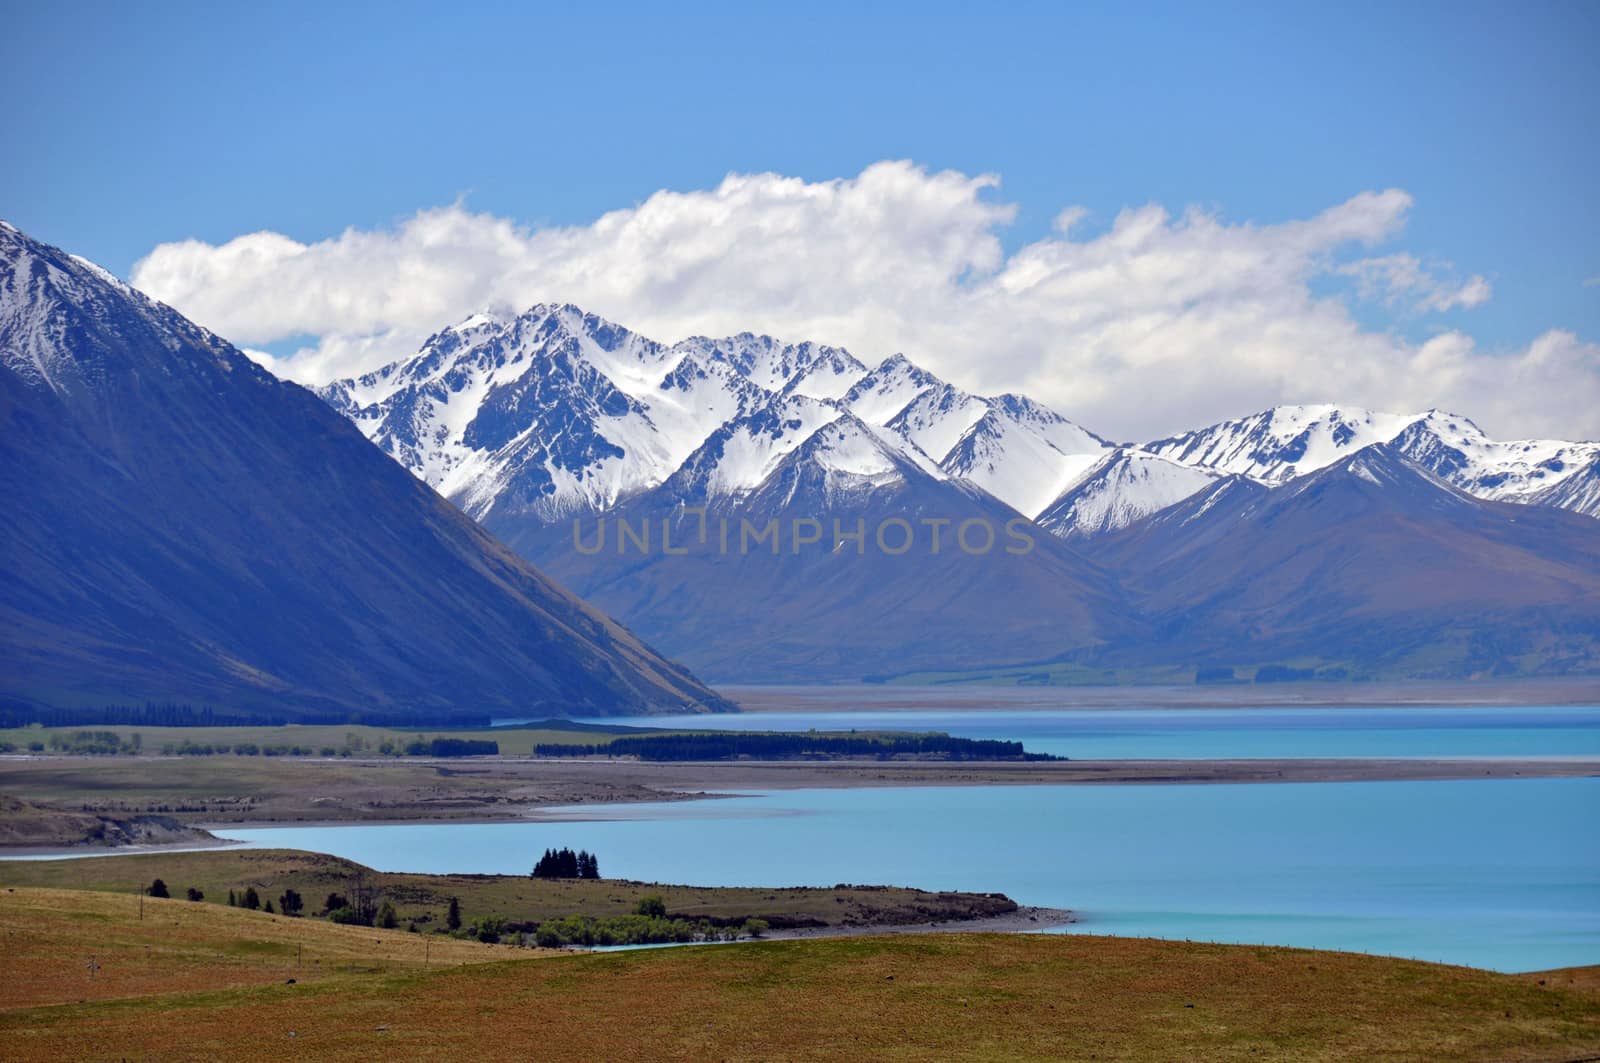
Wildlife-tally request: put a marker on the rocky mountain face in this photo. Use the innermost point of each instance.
(181, 526)
(556, 412)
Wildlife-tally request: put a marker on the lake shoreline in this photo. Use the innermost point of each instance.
(755, 698)
(510, 790)
(1027, 919)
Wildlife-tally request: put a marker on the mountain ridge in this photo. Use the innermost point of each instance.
(633, 410)
(182, 526)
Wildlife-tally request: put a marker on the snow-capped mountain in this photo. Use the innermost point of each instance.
(1528, 471)
(741, 454)
(1122, 487)
(183, 526)
(1280, 445)
(1024, 453)
(555, 413)
(1370, 563)
(552, 412)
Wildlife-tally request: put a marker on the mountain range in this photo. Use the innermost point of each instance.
(183, 527)
(556, 412)
(542, 423)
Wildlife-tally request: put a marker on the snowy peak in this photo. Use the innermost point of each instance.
(894, 384)
(1578, 491)
(1280, 445)
(1124, 486)
(1023, 453)
(152, 472)
(1277, 445)
(1537, 471)
(66, 324)
(545, 412)
(772, 364)
(556, 412)
(741, 454)
(936, 419)
(829, 377)
(842, 462)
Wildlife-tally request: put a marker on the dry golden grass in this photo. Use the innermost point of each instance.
(936, 997)
(49, 938)
(1578, 979)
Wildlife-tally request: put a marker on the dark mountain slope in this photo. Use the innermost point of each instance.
(832, 610)
(182, 526)
(1371, 561)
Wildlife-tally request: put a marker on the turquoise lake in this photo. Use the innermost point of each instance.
(1503, 874)
(1091, 734)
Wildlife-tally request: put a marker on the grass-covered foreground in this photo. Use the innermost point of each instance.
(202, 982)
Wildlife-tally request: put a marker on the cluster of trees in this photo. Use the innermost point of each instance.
(1267, 673)
(150, 714)
(649, 924)
(454, 747)
(360, 906)
(248, 898)
(92, 743)
(290, 902)
(1282, 673)
(433, 747)
(158, 888)
(564, 863)
(729, 745)
(187, 748)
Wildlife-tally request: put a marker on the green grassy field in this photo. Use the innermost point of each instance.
(518, 898)
(200, 982)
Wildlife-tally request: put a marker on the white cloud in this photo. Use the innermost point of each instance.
(1401, 278)
(1157, 323)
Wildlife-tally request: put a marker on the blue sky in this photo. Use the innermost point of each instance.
(134, 125)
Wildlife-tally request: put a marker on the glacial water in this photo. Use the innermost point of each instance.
(1503, 874)
(1205, 733)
